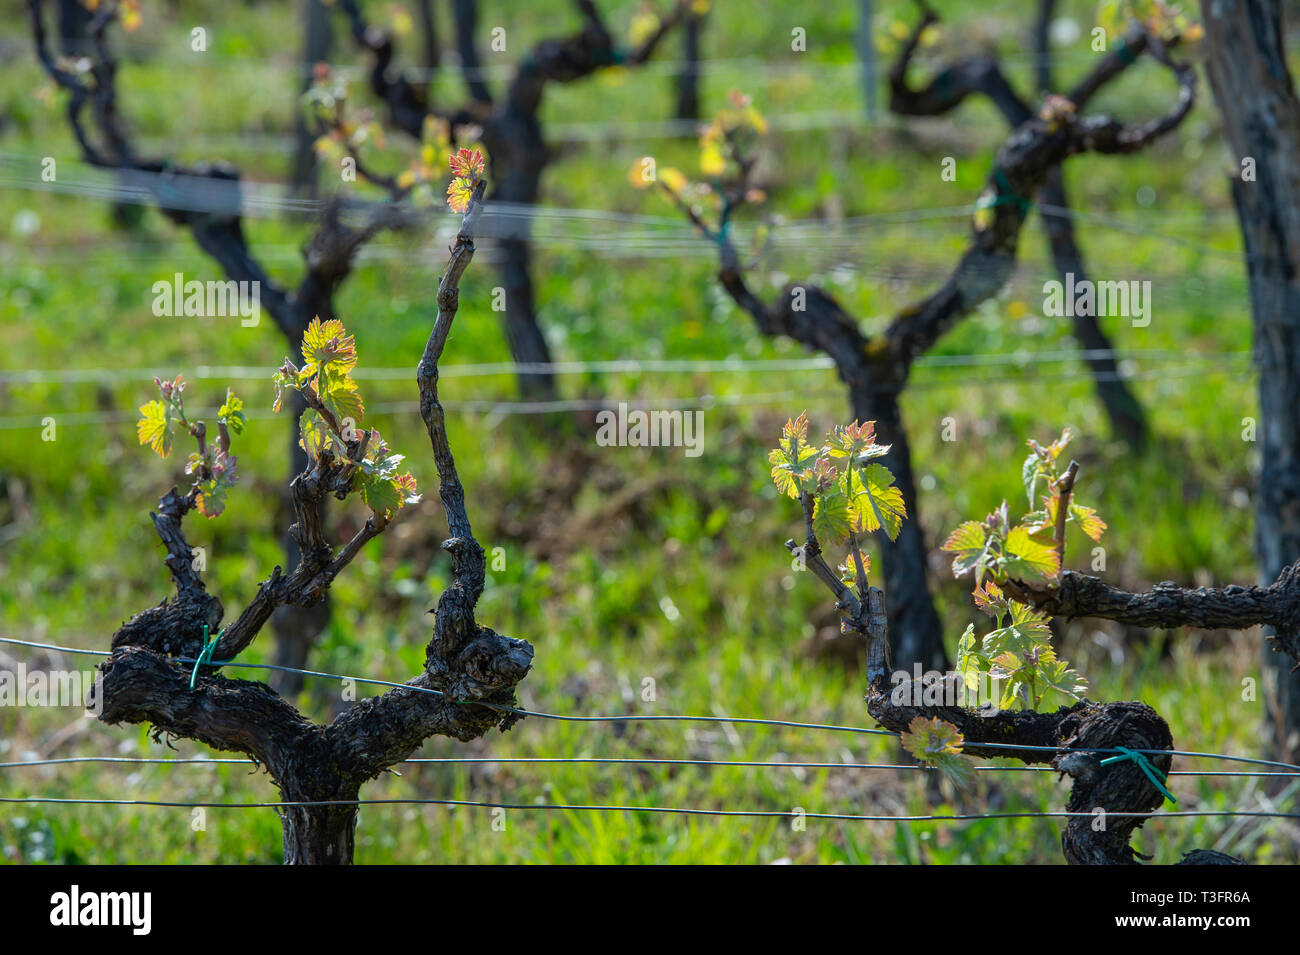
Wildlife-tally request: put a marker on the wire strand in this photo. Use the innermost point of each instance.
(657, 717)
(612, 760)
(637, 366)
(674, 810)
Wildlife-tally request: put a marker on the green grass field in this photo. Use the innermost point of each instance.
(625, 565)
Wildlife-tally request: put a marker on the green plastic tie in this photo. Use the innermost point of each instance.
(205, 656)
(1007, 196)
(1143, 764)
(1125, 53)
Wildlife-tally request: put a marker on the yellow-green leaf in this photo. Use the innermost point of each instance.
(328, 346)
(969, 542)
(939, 744)
(154, 428)
(876, 503)
(831, 516)
(1088, 521)
(315, 433)
(1026, 555)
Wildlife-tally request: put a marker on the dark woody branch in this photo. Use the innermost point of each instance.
(1038, 146)
(975, 74)
(1168, 606)
(207, 200)
(876, 368)
(465, 13)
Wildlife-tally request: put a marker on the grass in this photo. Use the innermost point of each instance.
(686, 584)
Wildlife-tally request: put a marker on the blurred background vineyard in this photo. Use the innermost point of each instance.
(623, 565)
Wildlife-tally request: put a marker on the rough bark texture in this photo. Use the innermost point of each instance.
(1070, 740)
(1247, 66)
(1167, 605)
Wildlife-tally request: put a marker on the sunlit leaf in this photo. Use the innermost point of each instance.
(467, 164)
(154, 427)
(875, 502)
(937, 743)
(314, 432)
(343, 398)
(326, 346)
(970, 543)
(849, 569)
(459, 194)
(989, 598)
(1024, 555)
(1088, 521)
(831, 516)
(232, 413)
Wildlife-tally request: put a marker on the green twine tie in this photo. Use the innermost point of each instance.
(1006, 196)
(1143, 764)
(205, 656)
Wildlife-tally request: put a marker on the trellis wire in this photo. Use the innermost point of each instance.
(612, 760)
(263, 199)
(657, 717)
(671, 810)
(637, 366)
(505, 408)
(506, 70)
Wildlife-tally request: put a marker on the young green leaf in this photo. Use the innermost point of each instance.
(315, 436)
(327, 346)
(342, 397)
(1030, 474)
(1024, 555)
(990, 599)
(792, 459)
(212, 490)
(831, 516)
(937, 743)
(231, 413)
(970, 660)
(154, 427)
(1088, 521)
(854, 444)
(875, 503)
(849, 569)
(970, 542)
